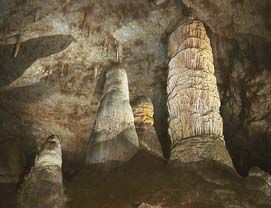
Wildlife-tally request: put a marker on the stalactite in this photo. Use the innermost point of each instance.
(43, 187)
(114, 137)
(195, 124)
(17, 46)
(143, 113)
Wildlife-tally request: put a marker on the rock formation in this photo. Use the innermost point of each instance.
(195, 124)
(232, 18)
(114, 137)
(61, 49)
(143, 113)
(43, 187)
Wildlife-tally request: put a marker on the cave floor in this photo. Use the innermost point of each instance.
(149, 181)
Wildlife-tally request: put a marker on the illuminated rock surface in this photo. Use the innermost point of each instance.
(195, 124)
(43, 187)
(114, 137)
(55, 84)
(143, 113)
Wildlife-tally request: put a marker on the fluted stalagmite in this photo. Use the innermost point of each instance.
(143, 113)
(195, 124)
(43, 187)
(114, 137)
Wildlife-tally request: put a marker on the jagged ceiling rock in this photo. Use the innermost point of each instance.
(31, 50)
(230, 18)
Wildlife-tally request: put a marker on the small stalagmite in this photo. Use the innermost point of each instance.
(43, 187)
(195, 124)
(143, 113)
(114, 138)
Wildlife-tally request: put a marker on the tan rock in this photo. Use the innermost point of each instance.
(114, 137)
(143, 113)
(195, 124)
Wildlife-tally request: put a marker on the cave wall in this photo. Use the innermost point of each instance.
(54, 85)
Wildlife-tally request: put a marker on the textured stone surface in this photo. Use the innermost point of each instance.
(53, 85)
(148, 181)
(143, 113)
(43, 187)
(193, 99)
(230, 18)
(195, 124)
(114, 137)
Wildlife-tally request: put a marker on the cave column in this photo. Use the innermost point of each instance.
(143, 113)
(195, 123)
(43, 187)
(114, 138)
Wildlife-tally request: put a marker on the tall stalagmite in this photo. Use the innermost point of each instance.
(43, 187)
(114, 137)
(143, 113)
(195, 124)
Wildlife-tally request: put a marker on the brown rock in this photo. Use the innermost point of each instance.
(11, 162)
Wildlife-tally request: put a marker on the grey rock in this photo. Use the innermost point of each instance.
(114, 137)
(43, 187)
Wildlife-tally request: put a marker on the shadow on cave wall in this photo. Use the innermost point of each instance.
(12, 68)
(248, 146)
(14, 127)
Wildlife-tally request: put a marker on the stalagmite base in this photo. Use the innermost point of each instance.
(43, 187)
(114, 137)
(195, 124)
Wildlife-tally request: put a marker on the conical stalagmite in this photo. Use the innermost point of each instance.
(195, 124)
(43, 187)
(143, 113)
(114, 137)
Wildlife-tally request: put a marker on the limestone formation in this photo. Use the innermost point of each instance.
(114, 137)
(43, 187)
(195, 124)
(143, 113)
